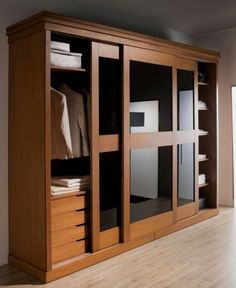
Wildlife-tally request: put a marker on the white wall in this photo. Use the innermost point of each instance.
(234, 136)
(225, 43)
(15, 10)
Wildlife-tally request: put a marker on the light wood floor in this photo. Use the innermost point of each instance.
(203, 256)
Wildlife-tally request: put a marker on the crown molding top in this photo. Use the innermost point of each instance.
(58, 23)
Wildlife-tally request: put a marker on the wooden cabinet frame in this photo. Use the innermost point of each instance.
(29, 74)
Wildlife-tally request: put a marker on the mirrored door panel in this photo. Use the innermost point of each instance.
(185, 94)
(186, 174)
(151, 182)
(150, 97)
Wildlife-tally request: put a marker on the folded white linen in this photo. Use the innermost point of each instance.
(202, 156)
(70, 180)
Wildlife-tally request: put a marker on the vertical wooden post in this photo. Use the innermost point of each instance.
(95, 207)
(125, 227)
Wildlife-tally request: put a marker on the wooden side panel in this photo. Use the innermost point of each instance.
(125, 140)
(95, 207)
(28, 203)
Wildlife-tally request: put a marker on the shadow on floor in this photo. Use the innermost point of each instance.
(10, 275)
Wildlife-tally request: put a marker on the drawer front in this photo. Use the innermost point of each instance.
(69, 219)
(68, 235)
(68, 204)
(67, 251)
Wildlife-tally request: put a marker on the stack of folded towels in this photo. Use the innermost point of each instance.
(62, 57)
(202, 132)
(202, 156)
(69, 184)
(201, 179)
(202, 105)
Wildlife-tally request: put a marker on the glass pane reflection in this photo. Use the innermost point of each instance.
(150, 97)
(151, 182)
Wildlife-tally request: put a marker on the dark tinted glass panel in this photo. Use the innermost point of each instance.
(151, 182)
(109, 96)
(150, 97)
(185, 85)
(110, 190)
(185, 173)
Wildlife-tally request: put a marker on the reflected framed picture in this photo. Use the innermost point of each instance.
(144, 116)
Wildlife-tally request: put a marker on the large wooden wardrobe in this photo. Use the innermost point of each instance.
(152, 138)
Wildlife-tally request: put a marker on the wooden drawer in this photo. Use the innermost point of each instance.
(67, 251)
(64, 205)
(68, 219)
(67, 235)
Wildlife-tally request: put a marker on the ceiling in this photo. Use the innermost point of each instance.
(147, 16)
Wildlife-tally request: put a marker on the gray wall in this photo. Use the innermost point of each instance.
(16, 10)
(225, 43)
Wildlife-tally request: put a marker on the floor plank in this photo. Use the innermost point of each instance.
(203, 255)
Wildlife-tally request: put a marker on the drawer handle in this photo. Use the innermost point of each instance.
(79, 240)
(79, 225)
(79, 210)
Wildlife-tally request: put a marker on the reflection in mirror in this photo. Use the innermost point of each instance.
(150, 97)
(145, 121)
(185, 86)
(186, 172)
(151, 182)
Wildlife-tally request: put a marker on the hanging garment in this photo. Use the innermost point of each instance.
(77, 119)
(61, 146)
(87, 104)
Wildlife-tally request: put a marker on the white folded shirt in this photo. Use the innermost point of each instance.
(69, 181)
(201, 179)
(202, 105)
(202, 156)
(57, 189)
